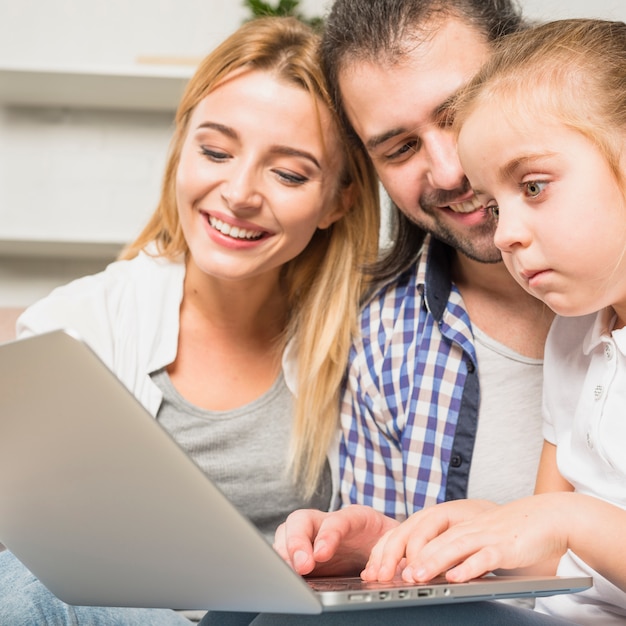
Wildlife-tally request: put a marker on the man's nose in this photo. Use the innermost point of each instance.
(444, 170)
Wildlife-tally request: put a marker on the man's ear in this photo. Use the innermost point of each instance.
(344, 202)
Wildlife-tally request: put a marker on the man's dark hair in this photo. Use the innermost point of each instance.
(383, 31)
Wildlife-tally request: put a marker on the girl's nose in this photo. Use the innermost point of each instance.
(511, 232)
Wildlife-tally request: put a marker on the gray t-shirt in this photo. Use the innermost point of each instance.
(243, 451)
(509, 437)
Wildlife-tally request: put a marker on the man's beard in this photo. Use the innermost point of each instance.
(476, 243)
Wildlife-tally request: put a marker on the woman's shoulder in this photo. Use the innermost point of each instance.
(123, 291)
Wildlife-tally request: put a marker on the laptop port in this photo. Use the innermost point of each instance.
(384, 595)
(359, 597)
(424, 593)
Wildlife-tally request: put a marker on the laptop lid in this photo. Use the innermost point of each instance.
(95, 499)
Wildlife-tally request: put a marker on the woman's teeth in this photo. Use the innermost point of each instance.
(234, 231)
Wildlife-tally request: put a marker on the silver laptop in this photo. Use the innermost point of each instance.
(103, 506)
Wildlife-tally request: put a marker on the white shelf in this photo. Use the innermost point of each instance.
(138, 87)
(40, 248)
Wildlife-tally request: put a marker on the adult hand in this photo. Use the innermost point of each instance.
(328, 544)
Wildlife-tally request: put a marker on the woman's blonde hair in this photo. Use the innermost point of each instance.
(571, 71)
(324, 283)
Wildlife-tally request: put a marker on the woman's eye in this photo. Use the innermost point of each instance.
(290, 178)
(534, 187)
(215, 155)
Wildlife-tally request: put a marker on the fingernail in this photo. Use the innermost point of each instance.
(420, 574)
(300, 559)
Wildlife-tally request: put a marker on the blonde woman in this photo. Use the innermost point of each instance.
(231, 315)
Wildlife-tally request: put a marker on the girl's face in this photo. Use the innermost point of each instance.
(562, 217)
(259, 172)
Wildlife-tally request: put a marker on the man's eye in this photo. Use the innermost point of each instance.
(494, 209)
(534, 187)
(409, 146)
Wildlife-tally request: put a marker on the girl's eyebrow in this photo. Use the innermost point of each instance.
(508, 170)
(277, 149)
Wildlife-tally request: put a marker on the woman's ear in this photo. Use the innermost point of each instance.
(345, 200)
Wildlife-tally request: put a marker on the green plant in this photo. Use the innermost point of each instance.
(259, 8)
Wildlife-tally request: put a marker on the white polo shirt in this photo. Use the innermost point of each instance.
(584, 408)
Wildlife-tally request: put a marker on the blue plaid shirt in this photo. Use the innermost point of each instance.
(410, 408)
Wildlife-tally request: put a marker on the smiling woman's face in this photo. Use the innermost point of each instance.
(258, 173)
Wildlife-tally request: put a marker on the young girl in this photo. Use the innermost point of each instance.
(543, 141)
(230, 317)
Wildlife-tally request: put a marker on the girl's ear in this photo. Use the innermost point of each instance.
(344, 202)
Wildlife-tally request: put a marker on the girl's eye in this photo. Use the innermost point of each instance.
(290, 178)
(214, 155)
(534, 187)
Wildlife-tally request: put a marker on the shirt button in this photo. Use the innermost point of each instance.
(589, 442)
(456, 461)
(608, 351)
(597, 392)
(470, 367)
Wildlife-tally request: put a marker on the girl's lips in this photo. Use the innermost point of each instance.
(533, 276)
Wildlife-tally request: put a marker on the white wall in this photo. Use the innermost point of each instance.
(71, 174)
(559, 9)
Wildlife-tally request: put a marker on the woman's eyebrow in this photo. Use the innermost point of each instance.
(221, 128)
(296, 152)
(276, 149)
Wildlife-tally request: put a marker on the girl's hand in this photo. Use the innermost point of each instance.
(529, 532)
(407, 540)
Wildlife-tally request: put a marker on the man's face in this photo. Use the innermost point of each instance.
(400, 111)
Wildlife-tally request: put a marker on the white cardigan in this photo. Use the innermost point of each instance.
(129, 314)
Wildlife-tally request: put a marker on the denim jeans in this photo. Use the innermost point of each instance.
(24, 601)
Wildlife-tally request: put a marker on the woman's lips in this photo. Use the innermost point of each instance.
(236, 232)
(239, 231)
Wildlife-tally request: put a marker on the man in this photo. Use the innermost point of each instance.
(418, 428)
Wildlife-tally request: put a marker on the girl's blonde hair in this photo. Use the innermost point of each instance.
(571, 71)
(324, 283)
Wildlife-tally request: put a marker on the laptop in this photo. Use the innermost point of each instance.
(103, 506)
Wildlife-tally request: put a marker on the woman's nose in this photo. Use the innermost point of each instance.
(240, 191)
